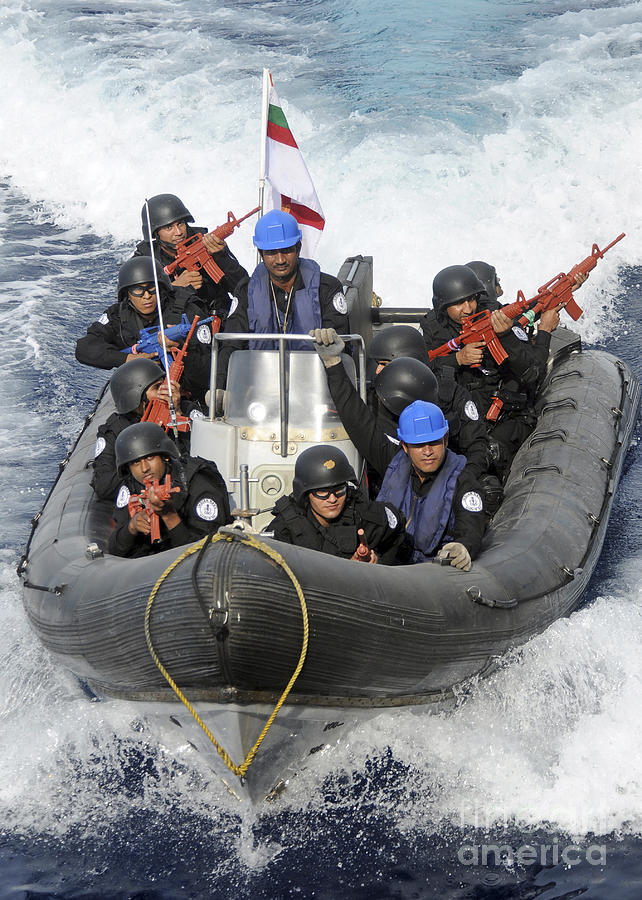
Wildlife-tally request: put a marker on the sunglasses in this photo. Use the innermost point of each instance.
(338, 490)
(140, 289)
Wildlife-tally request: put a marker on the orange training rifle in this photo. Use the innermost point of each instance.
(142, 501)
(158, 410)
(192, 254)
(558, 291)
(363, 550)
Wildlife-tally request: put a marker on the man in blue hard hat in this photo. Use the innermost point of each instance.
(285, 294)
(439, 496)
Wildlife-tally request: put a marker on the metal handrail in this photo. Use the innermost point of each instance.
(283, 339)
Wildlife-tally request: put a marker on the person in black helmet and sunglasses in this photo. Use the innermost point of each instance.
(327, 512)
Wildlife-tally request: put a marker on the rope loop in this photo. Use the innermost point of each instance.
(249, 539)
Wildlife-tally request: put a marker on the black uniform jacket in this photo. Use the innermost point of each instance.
(382, 523)
(522, 372)
(378, 450)
(202, 504)
(329, 287)
(216, 297)
(120, 326)
(106, 480)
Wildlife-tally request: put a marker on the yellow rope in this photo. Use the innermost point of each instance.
(276, 556)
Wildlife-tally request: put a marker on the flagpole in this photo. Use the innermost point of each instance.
(264, 120)
(265, 103)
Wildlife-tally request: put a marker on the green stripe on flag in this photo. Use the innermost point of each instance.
(275, 115)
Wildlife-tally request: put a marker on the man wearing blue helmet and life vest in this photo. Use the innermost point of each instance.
(286, 293)
(438, 495)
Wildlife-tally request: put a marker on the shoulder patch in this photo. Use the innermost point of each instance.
(207, 509)
(339, 302)
(104, 319)
(471, 410)
(101, 443)
(196, 414)
(393, 521)
(204, 334)
(234, 305)
(519, 333)
(123, 496)
(472, 501)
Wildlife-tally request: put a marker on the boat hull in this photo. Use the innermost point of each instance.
(227, 623)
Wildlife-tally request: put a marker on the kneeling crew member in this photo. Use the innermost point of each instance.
(132, 387)
(199, 507)
(327, 512)
(430, 484)
(286, 294)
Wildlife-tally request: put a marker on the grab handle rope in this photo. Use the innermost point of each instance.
(278, 559)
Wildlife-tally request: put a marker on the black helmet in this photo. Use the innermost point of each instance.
(142, 439)
(399, 340)
(403, 381)
(322, 466)
(163, 210)
(454, 284)
(487, 274)
(140, 270)
(130, 381)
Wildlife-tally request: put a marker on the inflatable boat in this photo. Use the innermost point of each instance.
(261, 654)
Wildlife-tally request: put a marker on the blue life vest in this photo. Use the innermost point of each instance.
(305, 308)
(429, 518)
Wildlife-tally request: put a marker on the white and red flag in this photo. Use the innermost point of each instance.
(289, 185)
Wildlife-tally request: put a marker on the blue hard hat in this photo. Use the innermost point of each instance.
(276, 230)
(421, 422)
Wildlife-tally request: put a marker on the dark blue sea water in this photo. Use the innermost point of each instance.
(434, 133)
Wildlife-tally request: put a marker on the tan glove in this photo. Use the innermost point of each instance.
(328, 345)
(459, 556)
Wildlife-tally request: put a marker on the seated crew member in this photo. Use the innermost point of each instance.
(327, 512)
(132, 387)
(285, 294)
(434, 490)
(200, 507)
(120, 325)
(457, 293)
(169, 218)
